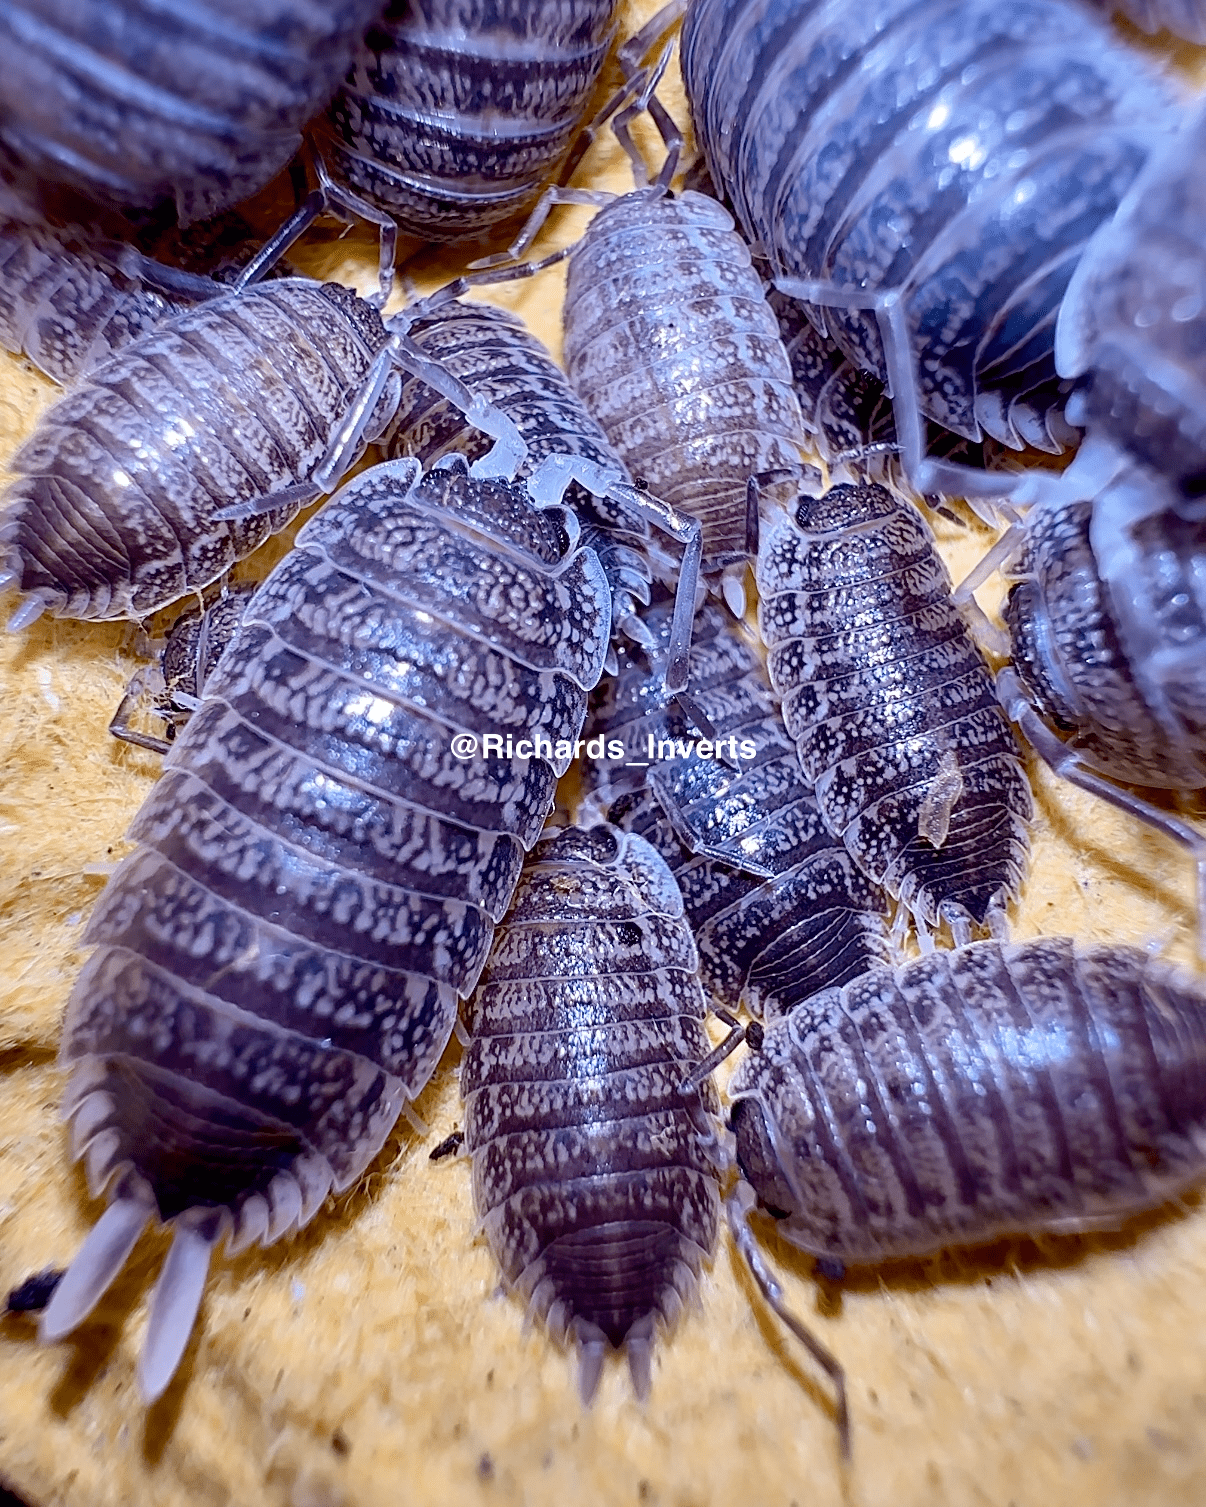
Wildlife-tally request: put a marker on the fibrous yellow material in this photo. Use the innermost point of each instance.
(373, 1360)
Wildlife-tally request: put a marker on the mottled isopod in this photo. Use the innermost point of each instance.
(596, 1179)
(318, 875)
(894, 713)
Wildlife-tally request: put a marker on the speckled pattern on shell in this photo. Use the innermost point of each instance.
(767, 943)
(317, 878)
(68, 306)
(595, 1179)
(961, 153)
(671, 343)
(199, 102)
(458, 112)
(1120, 665)
(995, 1089)
(112, 514)
(893, 710)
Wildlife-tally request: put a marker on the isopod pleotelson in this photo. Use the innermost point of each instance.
(996, 1089)
(241, 401)
(457, 112)
(197, 104)
(595, 1177)
(317, 878)
(894, 713)
(931, 174)
(671, 343)
(778, 907)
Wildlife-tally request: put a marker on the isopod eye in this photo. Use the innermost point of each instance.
(757, 1160)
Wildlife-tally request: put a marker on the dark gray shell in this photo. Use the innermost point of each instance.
(317, 877)
(1118, 661)
(199, 103)
(595, 1179)
(891, 705)
(495, 355)
(66, 306)
(960, 153)
(458, 112)
(992, 1090)
(232, 402)
(1134, 320)
(670, 342)
(766, 943)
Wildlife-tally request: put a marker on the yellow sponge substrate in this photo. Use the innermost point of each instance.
(374, 1360)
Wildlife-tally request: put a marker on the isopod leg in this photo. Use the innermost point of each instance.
(925, 473)
(328, 198)
(120, 725)
(737, 1208)
(1069, 766)
(737, 1034)
(509, 449)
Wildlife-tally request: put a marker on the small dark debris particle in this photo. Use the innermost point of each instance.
(755, 1035)
(35, 1292)
(247, 1313)
(643, 1490)
(339, 1442)
(490, 1377)
(485, 1469)
(450, 1144)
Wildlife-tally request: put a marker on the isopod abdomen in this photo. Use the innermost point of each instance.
(456, 113)
(595, 1178)
(893, 710)
(999, 1088)
(237, 402)
(318, 874)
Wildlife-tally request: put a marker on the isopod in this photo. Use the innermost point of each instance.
(319, 871)
(778, 908)
(457, 112)
(893, 710)
(930, 174)
(195, 106)
(595, 1178)
(994, 1089)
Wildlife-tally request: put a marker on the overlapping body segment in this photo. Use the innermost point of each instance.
(778, 907)
(235, 402)
(317, 876)
(995, 1089)
(197, 104)
(892, 708)
(958, 152)
(457, 113)
(595, 1178)
(669, 340)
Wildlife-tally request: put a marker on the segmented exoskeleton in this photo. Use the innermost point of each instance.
(186, 659)
(248, 401)
(458, 112)
(595, 1177)
(318, 872)
(669, 340)
(893, 710)
(197, 104)
(996, 1089)
(497, 358)
(778, 907)
(931, 173)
